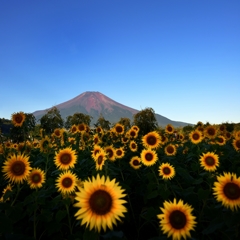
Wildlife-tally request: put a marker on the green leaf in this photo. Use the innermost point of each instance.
(197, 181)
(203, 194)
(90, 235)
(152, 194)
(60, 215)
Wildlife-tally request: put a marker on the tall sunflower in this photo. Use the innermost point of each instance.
(151, 140)
(176, 219)
(195, 136)
(120, 152)
(170, 149)
(135, 162)
(66, 182)
(221, 140)
(169, 129)
(166, 171)
(149, 157)
(96, 149)
(100, 159)
(17, 168)
(36, 178)
(45, 144)
(111, 154)
(209, 161)
(65, 158)
(18, 119)
(210, 131)
(132, 133)
(236, 144)
(227, 190)
(100, 203)
(133, 146)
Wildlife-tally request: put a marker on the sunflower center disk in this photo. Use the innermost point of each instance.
(177, 219)
(18, 168)
(151, 140)
(135, 162)
(232, 191)
(210, 161)
(36, 178)
(170, 149)
(195, 136)
(67, 182)
(100, 160)
(166, 170)
(149, 157)
(18, 119)
(100, 202)
(110, 153)
(65, 159)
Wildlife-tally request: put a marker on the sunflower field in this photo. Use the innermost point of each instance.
(90, 183)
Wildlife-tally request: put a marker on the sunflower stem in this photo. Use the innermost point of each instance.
(18, 190)
(157, 180)
(69, 219)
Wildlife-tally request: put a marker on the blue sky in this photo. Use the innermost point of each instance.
(181, 58)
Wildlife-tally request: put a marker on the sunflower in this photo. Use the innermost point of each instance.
(125, 139)
(18, 119)
(74, 129)
(237, 134)
(96, 149)
(151, 140)
(133, 146)
(135, 162)
(209, 161)
(96, 139)
(119, 129)
(195, 136)
(36, 178)
(65, 158)
(99, 130)
(132, 133)
(135, 128)
(176, 219)
(210, 131)
(120, 152)
(236, 144)
(166, 170)
(45, 144)
(5, 190)
(17, 168)
(222, 127)
(227, 190)
(100, 203)
(100, 159)
(111, 154)
(57, 132)
(169, 129)
(149, 157)
(66, 182)
(221, 140)
(81, 127)
(170, 150)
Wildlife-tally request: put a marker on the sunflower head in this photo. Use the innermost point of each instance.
(210, 131)
(166, 171)
(195, 136)
(149, 157)
(18, 119)
(227, 190)
(176, 219)
(169, 129)
(119, 129)
(151, 140)
(65, 158)
(133, 146)
(209, 161)
(120, 152)
(66, 182)
(100, 203)
(111, 153)
(16, 168)
(135, 162)
(236, 144)
(36, 178)
(170, 149)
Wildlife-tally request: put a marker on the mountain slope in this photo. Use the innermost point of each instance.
(96, 104)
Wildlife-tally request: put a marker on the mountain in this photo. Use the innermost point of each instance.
(96, 104)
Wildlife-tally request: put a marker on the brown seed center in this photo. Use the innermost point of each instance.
(151, 140)
(149, 157)
(177, 219)
(170, 149)
(67, 182)
(232, 191)
(18, 168)
(65, 158)
(210, 161)
(100, 202)
(100, 160)
(166, 170)
(136, 162)
(18, 118)
(36, 178)
(195, 136)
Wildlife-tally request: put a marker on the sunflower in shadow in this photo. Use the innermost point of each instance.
(166, 171)
(36, 178)
(227, 190)
(176, 219)
(100, 203)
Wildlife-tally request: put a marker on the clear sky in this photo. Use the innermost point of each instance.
(179, 57)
